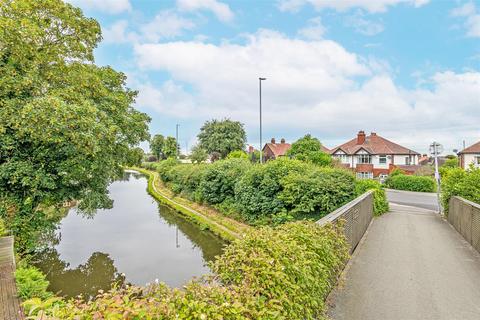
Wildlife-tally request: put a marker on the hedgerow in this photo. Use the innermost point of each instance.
(462, 183)
(380, 202)
(411, 183)
(271, 273)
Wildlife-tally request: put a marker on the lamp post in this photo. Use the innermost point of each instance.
(260, 95)
(176, 138)
(436, 149)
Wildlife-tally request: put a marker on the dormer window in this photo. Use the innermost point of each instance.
(382, 159)
(364, 158)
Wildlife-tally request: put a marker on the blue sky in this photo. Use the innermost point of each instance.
(406, 69)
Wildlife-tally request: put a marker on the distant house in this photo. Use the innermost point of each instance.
(374, 156)
(470, 155)
(275, 150)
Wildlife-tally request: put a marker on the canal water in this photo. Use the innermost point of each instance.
(136, 242)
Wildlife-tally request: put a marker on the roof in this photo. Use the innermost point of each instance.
(475, 148)
(325, 149)
(278, 149)
(374, 144)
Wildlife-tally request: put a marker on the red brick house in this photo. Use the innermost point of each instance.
(374, 156)
(470, 155)
(275, 150)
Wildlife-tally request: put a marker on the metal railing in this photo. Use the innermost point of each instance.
(6, 250)
(356, 215)
(464, 216)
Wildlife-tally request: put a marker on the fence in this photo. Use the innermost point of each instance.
(464, 216)
(6, 250)
(356, 214)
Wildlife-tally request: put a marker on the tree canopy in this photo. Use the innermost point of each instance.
(156, 145)
(222, 136)
(66, 125)
(198, 155)
(170, 147)
(309, 149)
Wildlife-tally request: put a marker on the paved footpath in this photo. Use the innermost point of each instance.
(410, 265)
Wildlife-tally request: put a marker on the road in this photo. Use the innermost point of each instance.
(410, 265)
(416, 199)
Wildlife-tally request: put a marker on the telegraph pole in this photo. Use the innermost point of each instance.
(260, 94)
(176, 138)
(435, 149)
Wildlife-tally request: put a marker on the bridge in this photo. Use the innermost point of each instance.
(411, 263)
(10, 307)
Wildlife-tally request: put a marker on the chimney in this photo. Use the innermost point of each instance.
(282, 141)
(361, 137)
(273, 140)
(373, 134)
(250, 149)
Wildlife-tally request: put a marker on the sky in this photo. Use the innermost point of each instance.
(406, 69)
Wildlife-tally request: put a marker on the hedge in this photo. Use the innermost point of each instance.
(380, 202)
(462, 183)
(411, 183)
(271, 273)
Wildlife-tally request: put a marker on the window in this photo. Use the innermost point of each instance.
(364, 158)
(477, 161)
(382, 159)
(407, 161)
(342, 157)
(365, 175)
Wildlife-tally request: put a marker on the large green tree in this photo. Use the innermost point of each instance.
(66, 125)
(222, 136)
(170, 147)
(156, 145)
(309, 149)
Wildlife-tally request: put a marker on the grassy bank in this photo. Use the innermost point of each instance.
(206, 217)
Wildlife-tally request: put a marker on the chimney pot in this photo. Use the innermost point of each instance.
(273, 140)
(282, 141)
(361, 137)
(373, 133)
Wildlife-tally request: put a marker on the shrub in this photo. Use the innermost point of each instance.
(218, 183)
(186, 178)
(31, 283)
(271, 273)
(163, 168)
(458, 182)
(238, 154)
(318, 191)
(256, 192)
(380, 202)
(3, 229)
(411, 183)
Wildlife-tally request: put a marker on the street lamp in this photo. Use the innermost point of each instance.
(261, 151)
(176, 138)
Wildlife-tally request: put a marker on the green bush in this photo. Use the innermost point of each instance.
(318, 191)
(411, 183)
(3, 229)
(218, 183)
(185, 178)
(380, 202)
(462, 183)
(163, 168)
(238, 154)
(31, 283)
(271, 273)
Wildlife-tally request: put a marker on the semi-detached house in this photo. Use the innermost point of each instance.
(374, 156)
(470, 156)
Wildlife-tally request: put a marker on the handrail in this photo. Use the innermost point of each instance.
(334, 215)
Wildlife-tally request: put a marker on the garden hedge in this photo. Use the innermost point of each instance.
(380, 202)
(462, 183)
(411, 183)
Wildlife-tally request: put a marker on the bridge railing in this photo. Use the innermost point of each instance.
(6, 250)
(356, 215)
(464, 216)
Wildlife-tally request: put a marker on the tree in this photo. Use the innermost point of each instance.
(66, 125)
(309, 149)
(170, 147)
(238, 154)
(222, 136)
(156, 145)
(135, 156)
(198, 154)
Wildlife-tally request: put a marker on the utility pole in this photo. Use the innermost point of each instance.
(260, 95)
(176, 138)
(435, 149)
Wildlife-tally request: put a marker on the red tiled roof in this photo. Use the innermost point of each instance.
(475, 148)
(278, 149)
(374, 144)
(325, 149)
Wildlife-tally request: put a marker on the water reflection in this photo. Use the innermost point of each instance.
(137, 237)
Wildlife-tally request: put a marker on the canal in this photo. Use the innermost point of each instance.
(138, 241)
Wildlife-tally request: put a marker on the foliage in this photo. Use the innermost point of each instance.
(186, 179)
(425, 170)
(31, 283)
(3, 229)
(214, 156)
(157, 143)
(318, 191)
(135, 157)
(254, 156)
(218, 183)
(449, 164)
(238, 154)
(462, 183)
(151, 158)
(164, 167)
(170, 148)
(309, 149)
(66, 125)
(222, 136)
(380, 202)
(198, 154)
(411, 183)
(271, 273)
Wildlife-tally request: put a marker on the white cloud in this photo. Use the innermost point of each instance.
(314, 29)
(364, 26)
(220, 9)
(118, 33)
(166, 24)
(342, 5)
(472, 16)
(312, 86)
(107, 6)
